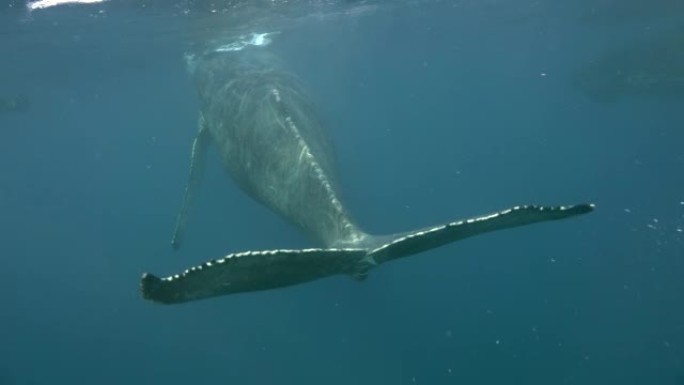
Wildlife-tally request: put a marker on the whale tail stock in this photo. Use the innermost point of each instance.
(270, 269)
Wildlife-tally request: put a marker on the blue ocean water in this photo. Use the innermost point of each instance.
(438, 110)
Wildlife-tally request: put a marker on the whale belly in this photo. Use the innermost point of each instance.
(272, 142)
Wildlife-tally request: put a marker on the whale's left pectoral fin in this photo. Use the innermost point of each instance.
(425, 239)
(250, 271)
(197, 160)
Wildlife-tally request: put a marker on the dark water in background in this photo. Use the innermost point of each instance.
(438, 110)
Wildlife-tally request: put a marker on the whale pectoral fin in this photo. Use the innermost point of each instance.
(197, 157)
(418, 241)
(250, 271)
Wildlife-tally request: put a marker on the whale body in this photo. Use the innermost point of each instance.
(272, 142)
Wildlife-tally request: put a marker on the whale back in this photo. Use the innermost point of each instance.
(272, 141)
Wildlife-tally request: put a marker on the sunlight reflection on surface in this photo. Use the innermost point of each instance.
(41, 4)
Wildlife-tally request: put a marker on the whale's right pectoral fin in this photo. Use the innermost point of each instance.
(197, 161)
(250, 271)
(425, 239)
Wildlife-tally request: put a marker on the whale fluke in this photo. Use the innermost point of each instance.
(435, 236)
(261, 270)
(250, 271)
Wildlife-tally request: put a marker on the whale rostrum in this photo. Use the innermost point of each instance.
(274, 146)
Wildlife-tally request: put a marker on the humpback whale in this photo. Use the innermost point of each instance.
(273, 144)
